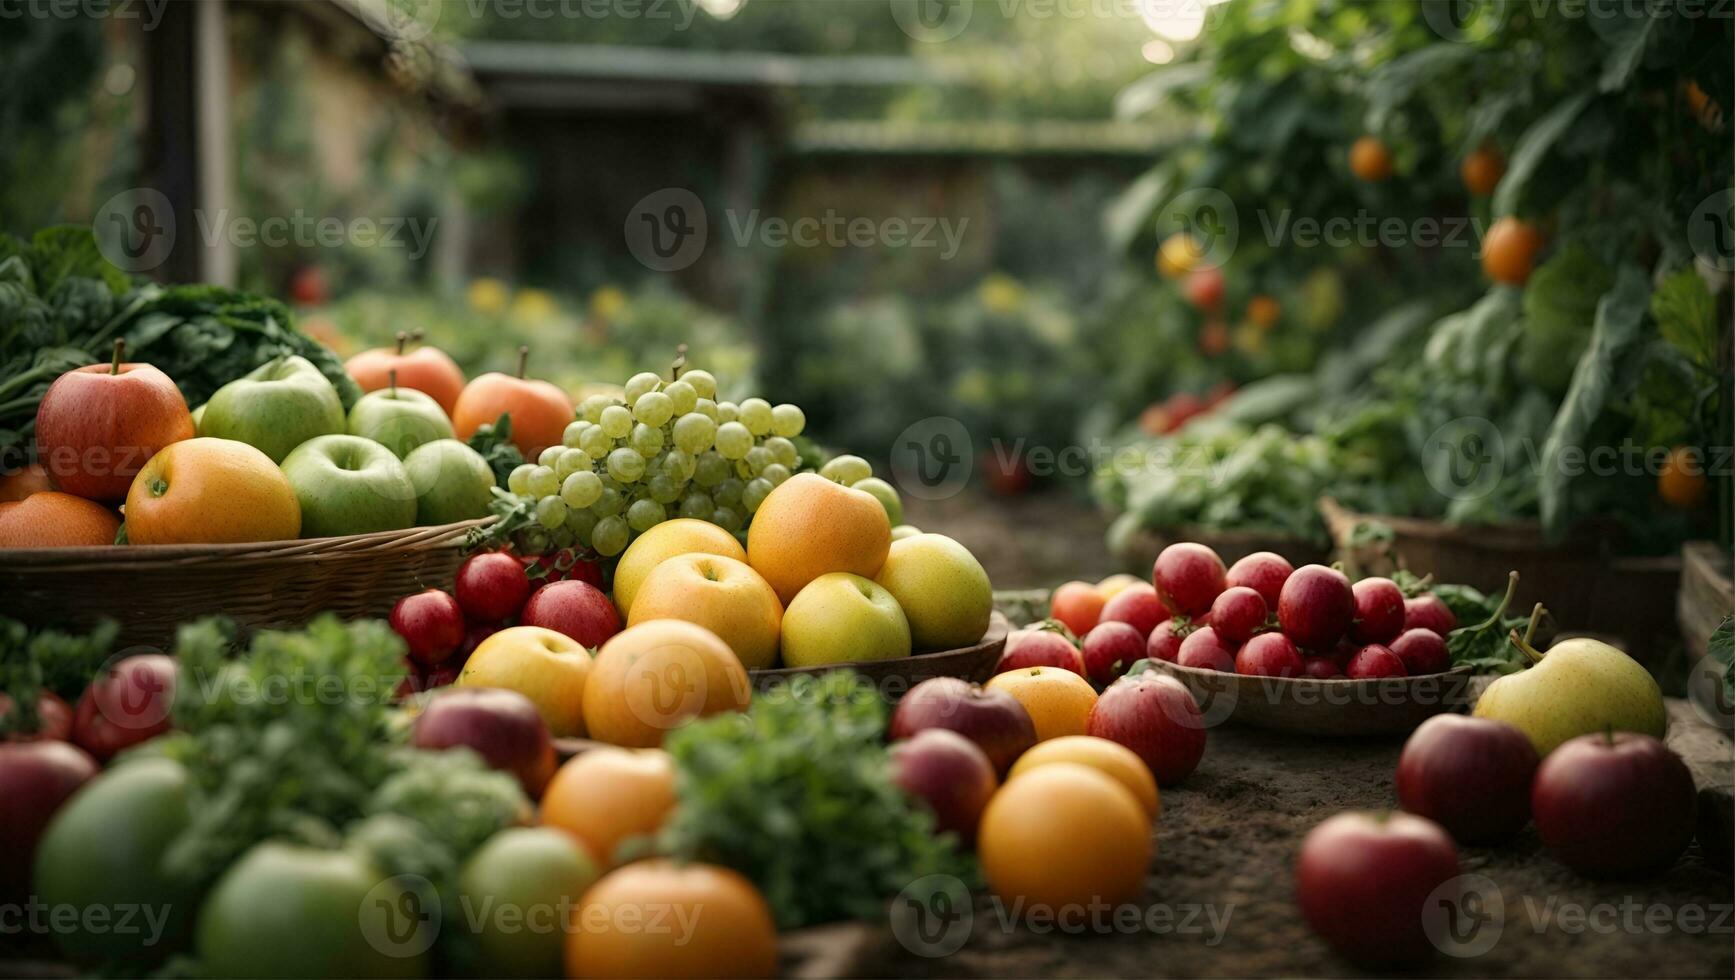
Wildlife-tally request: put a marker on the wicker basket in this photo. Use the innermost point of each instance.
(151, 589)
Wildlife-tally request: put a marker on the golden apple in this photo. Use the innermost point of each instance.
(838, 618)
(942, 589)
(684, 536)
(547, 667)
(721, 594)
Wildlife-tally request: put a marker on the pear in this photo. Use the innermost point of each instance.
(1578, 687)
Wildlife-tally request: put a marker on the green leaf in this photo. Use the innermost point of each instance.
(1530, 150)
(1125, 216)
(1686, 315)
(1618, 317)
(1627, 41)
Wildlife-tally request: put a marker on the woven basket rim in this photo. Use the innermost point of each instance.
(290, 551)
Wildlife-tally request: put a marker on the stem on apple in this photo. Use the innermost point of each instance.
(1506, 600)
(416, 336)
(392, 379)
(523, 360)
(120, 349)
(1531, 653)
(403, 338)
(1536, 615)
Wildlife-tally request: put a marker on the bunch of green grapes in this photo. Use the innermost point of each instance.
(667, 450)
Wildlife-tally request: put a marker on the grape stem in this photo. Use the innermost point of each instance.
(680, 363)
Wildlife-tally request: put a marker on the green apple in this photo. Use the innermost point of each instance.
(519, 888)
(399, 419)
(275, 407)
(902, 531)
(198, 413)
(883, 492)
(452, 482)
(838, 618)
(941, 588)
(1580, 686)
(349, 485)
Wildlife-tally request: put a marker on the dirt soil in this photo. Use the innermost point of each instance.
(1037, 540)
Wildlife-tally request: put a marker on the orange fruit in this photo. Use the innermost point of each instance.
(1178, 254)
(810, 526)
(1370, 160)
(714, 924)
(21, 483)
(1078, 605)
(1681, 481)
(210, 491)
(1482, 170)
(655, 676)
(52, 519)
(1112, 759)
(681, 536)
(1058, 700)
(605, 796)
(1264, 311)
(1064, 834)
(540, 410)
(1509, 251)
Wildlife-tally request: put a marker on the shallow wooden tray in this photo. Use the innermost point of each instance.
(1309, 706)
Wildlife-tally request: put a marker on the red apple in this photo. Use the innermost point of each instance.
(1110, 649)
(53, 718)
(1423, 651)
(1204, 288)
(1320, 668)
(129, 703)
(1188, 577)
(1238, 613)
(1429, 612)
(443, 674)
(1379, 610)
(1203, 648)
(578, 609)
(35, 779)
(502, 726)
(1374, 660)
(1363, 880)
(949, 773)
(491, 587)
(431, 624)
(98, 425)
(1316, 607)
(1269, 655)
(1039, 647)
(1165, 641)
(1614, 805)
(1136, 605)
(994, 720)
(1154, 715)
(428, 370)
(1470, 775)
(1264, 572)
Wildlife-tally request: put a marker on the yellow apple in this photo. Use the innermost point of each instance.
(1116, 584)
(684, 536)
(838, 618)
(721, 594)
(547, 667)
(942, 589)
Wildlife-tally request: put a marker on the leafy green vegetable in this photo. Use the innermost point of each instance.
(1532, 148)
(1482, 646)
(494, 442)
(797, 794)
(1559, 307)
(46, 660)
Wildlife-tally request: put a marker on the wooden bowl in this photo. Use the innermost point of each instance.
(1309, 706)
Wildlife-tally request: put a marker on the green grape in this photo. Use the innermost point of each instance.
(542, 482)
(726, 518)
(694, 432)
(707, 408)
(663, 489)
(571, 461)
(846, 470)
(679, 466)
(788, 420)
(581, 521)
(654, 408)
(776, 473)
(591, 408)
(783, 451)
(758, 458)
(744, 471)
(756, 416)
(581, 489)
(560, 537)
(646, 440)
(551, 512)
(733, 440)
(626, 465)
(702, 382)
(518, 481)
(616, 421)
(569, 438)
(641, 383)
(548, 456)
(727, 412)
(533, 540)
(754, 494)
(595, 442)
(609, 537)
(683, 396)
(608, 503)
(697, 505)
(728, 493)
(710, 469)
(644, 515)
